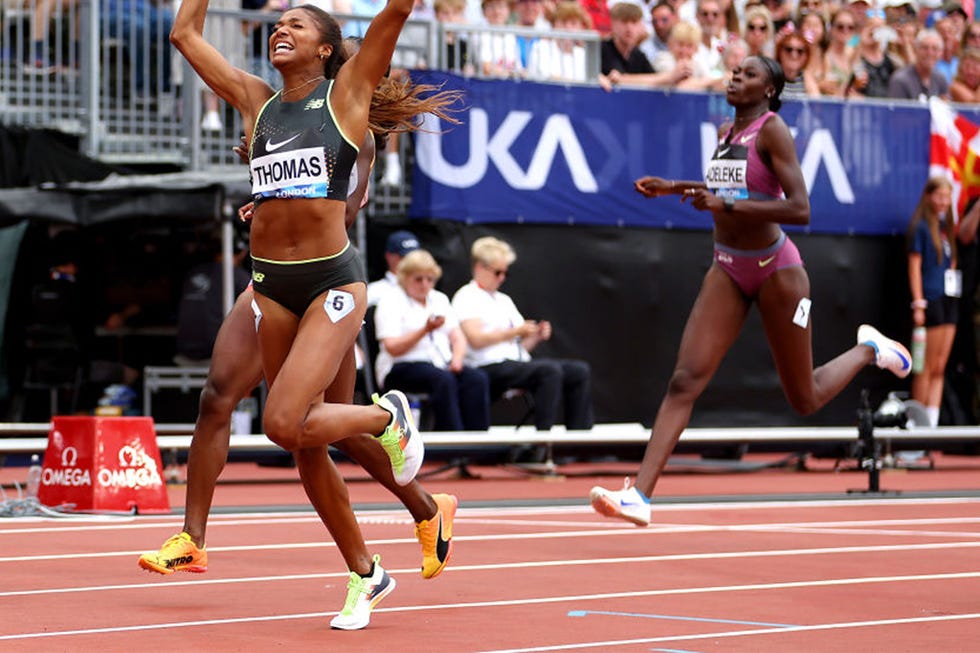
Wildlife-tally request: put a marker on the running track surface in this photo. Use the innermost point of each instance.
(836, 573)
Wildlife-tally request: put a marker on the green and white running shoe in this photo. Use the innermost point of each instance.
(401, 439)
(362, 595)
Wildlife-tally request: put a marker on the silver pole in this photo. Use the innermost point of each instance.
(227, 256)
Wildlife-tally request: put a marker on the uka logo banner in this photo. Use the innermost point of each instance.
(544, 153)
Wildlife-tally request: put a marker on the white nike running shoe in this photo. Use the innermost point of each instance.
(628, 503)
(363, 594)
(890, 354)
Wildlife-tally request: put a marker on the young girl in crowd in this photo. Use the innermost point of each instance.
(933, 280)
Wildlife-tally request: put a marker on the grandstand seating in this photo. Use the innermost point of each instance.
(89, 91)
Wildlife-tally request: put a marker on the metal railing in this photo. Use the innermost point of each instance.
(488, 51)
(107, 73)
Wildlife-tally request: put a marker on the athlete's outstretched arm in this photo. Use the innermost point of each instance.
(658, 186)
(240, 89)
(358, 78)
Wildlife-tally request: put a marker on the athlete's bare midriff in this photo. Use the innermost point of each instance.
(732, 232)
(298, 229)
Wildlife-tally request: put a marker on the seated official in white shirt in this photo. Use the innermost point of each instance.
(423, 349)
(500, 341)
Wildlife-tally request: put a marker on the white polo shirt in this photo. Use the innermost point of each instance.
(496, 311)
(378, 289)
(398, 314)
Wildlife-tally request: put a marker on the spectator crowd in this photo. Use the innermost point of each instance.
(902, 49)
(905, 49)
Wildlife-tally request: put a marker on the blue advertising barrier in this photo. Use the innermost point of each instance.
(549, 154)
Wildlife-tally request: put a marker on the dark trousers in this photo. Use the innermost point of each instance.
(550, 381)
(459, 402)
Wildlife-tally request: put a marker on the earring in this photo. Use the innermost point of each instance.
(323, 57)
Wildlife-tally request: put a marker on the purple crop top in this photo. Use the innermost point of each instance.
(737, 171)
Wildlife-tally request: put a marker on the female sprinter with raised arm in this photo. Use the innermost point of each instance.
(309, 288)
(753, 185)
(235, 370)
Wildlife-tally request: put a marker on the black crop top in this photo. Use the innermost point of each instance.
(299, 151)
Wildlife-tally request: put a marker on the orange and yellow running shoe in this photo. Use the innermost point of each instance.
(179, 553)
(436, 535)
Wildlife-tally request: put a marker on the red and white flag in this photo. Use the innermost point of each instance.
(954, 151)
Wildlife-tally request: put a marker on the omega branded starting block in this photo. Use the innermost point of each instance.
(103, 464)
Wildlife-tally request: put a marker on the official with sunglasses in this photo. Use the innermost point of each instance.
(501, 340)
(422, 348)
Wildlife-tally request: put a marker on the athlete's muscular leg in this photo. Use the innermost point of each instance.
(325, 486)
(299, 361)
(369, 455)
(712, 326)
(327, 491)
(319, 354)
(807, 389)
(235, 370)
(365, 452)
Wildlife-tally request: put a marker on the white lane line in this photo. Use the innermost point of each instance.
(398, 515)
(362, 518)
(709, 505)
(466, 516)
(76, 527)
(871, 531)
(540, 601)
(743, 633)
(544, 535)
(881, 522)
(830, 528)
(632, 560)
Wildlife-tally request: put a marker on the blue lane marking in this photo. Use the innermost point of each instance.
(582, 613)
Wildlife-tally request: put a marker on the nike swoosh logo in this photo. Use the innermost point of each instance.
(442, 544)
(272, 147)
(745, 139)
(623, 502)
(766, 261)
(905, 361)
(723, 151)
